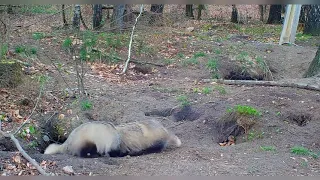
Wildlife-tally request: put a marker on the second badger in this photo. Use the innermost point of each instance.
(135, 138)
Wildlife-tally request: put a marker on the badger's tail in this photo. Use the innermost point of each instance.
(55, 149)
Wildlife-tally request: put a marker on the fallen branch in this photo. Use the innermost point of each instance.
(24, 154)
(264, 83)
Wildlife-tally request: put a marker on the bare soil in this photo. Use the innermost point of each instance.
(200, 154)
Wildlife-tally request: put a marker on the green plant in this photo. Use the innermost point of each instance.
(303, 37)
(67, 43)
(33, 50)
(86, 105)
(199, 54)
(217, 51)
(20, 49)
(183, 100)
(245, 110)
(38, 35)
(299, 150)
(212, 65)
(4, 49)
(268, 148)
(190, 61)
(254, 135)
(221, 89)
(206, 90)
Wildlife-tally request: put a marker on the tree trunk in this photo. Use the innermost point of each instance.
(234, 14)
(128, 15)
(9, 9)
(274, 14)
(262, 9)
(64, 15)
(314, 67)
(76, 17)
(117, 17)
(189, 10)
(157, 10)
(312, 25)
(97, 16)
(303, 14)
(200, 8)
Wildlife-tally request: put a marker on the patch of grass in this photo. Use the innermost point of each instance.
(20, 49)
(33, 50)
(168, 61)
(206, 90)
(268, 148)
(199, 54)
(180, 55)
(217, 51)
(221, 89)
(300, 150)
(190, 61)
(3, 51)
(67, 43)
(253, 134)
(38, 35)
(212, 65)
(86, 105)
(245, 110)
(303, 37)
(183, 100)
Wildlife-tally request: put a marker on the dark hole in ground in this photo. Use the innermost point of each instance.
(163, 113)
(186, 113)
(301, 119)
(239, 75)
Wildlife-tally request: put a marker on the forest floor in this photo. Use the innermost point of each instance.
(119, 100)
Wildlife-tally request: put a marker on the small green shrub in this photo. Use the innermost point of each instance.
(86, 105)
(183, 100)
(268, 148)
(245, 110)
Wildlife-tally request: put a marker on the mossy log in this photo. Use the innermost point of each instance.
(10, 73)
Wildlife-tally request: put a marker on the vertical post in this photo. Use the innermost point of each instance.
(290, 24)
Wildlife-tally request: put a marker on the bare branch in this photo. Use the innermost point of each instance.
(130, 44)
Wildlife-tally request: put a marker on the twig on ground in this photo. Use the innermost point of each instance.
(24, 154)
(130, 44)
(263, 83)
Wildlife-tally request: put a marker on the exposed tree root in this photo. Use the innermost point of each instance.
(264, 83)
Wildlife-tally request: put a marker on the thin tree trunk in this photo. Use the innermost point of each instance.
(97, 16)
(314, 67)
(117, 17)
(234, 14)
(200, 8)
(157, 10)
(274, 14)
(312, 25)
(9, 9)
(64, 15)
(189, 10)
(262, 9)
(76, 17)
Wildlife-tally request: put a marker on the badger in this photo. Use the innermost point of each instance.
(96, 139)
(144, 137)
(92, 139)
